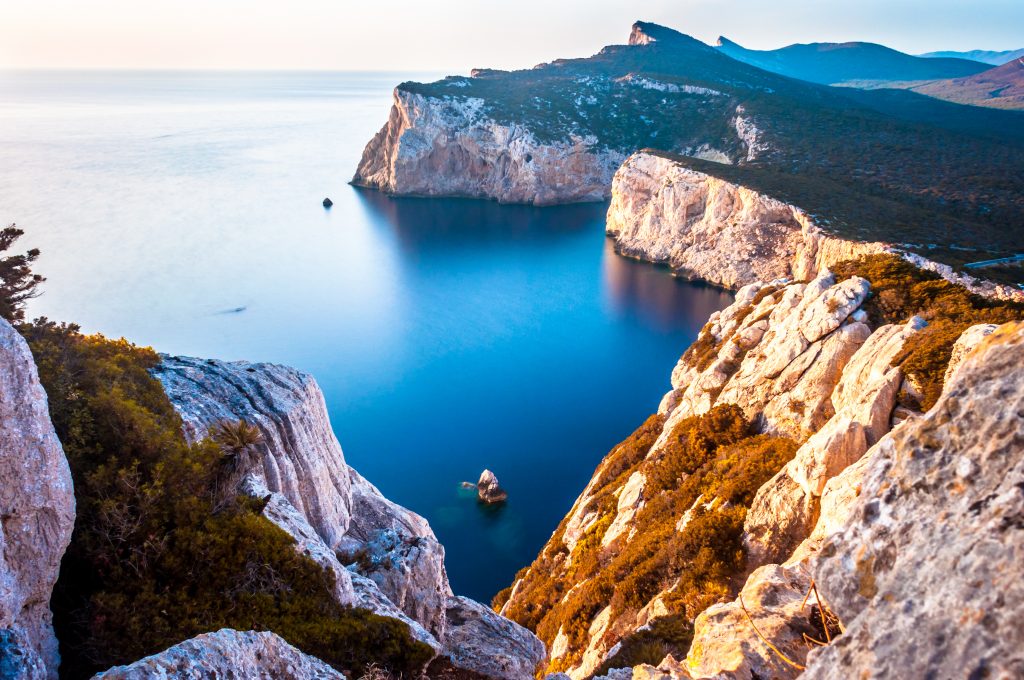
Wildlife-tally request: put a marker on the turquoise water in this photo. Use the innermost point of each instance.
(447, 335)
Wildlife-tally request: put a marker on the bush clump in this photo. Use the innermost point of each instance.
(900, 290)
(155, 558)
(709, 470)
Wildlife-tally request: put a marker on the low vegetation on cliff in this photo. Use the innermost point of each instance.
(708, 472)
(157, 556)
(899, 290)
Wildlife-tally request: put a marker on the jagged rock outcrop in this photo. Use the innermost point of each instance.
(37, 515)
(488, 489)
(225, 655)
(299, 458)
(450, 146)
(714, 230)
(926, 574)
(384, 557)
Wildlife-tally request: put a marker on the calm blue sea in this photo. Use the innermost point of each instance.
(447, 335)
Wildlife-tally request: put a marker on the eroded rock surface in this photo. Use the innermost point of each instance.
(37, 514)
(926, 574)
(226, 654)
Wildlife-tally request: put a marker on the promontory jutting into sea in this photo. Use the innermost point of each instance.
(675, 361)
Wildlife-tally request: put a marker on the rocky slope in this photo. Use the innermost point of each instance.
(385, 558)
(37, 515)
(711, 229)
(227, 654)
(803, 363)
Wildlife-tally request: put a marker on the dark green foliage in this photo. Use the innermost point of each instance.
(151, 562)
(17, 282)
(667, 635)
(899, 290)
(713, 457)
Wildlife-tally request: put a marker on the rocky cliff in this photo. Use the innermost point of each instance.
(227, 654)
(708, 228)
(37, 515)
(449, 146)
(818, 381)
(385, 557)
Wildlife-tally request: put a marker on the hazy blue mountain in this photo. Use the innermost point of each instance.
(834, 63)
(996, 58)
(1000, 87)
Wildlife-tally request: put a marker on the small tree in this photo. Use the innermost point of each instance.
(17, 282)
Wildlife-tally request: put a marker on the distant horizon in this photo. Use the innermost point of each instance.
(455, 35)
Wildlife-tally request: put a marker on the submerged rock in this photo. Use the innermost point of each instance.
(37, 515)
(227, 654)
(488, 489)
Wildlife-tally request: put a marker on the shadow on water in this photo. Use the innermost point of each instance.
(444, 223)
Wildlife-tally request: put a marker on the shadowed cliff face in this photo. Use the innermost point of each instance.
(37, 514)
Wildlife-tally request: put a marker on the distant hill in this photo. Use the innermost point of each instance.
(984, 56)
(1000, 87)
(931, 171)
(837, 63)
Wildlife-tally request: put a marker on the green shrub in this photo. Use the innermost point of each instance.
(150, 562)
(899, 290)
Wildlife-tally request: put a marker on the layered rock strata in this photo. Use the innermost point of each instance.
(37, 515)
(384, 557)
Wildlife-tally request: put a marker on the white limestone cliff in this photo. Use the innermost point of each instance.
(384, 557)
(37, 515)
(717, 231)
(449, 146)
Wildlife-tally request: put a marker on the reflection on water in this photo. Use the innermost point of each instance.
(184, 212)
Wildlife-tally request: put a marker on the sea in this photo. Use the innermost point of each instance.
(183, 211)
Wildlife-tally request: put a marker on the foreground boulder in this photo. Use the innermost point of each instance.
(37, 514)
(227, 654)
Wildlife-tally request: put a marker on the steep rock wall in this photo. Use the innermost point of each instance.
(434, 146)
(384, 557)
(37, 514)
(710, 229)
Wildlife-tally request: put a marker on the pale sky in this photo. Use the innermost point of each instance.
(456, 35)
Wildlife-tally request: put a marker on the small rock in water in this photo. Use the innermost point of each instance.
(328, 203)
(488, 490)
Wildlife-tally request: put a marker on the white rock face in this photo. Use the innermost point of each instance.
(970, 339)
(37, 515)
(300, 458)
(717, 231)
(395, 563)
(448, 146)
(709, 229)
(224, 655)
